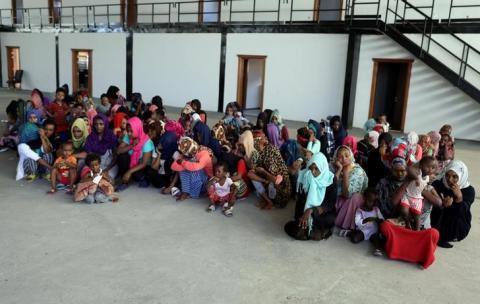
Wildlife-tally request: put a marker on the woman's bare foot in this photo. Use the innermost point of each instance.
(167, 190)
(183, 197)
(115, 199)
(267, 206)
(51, 191)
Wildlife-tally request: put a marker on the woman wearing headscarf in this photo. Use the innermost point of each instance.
(351, 142)
(194, 166)
(134, 154)
(35, 147)
(103, 142)
(120, 124)
(269, 175)
(114, 96)
(276, 130)
(407, 147)
(453, 220)
(339, 132)
(352, 181)
(247, 141)
(160, 172)
(316, 197)
(79, 134)
(365, 147)
(378, 163)
(203, 136)
(434, 140)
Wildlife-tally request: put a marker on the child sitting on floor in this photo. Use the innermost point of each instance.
(64, 169)
(412, 201)
(221, 190)
(95, 185)
(367, 219)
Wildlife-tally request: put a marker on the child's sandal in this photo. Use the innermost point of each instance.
(228, 212)
(210, 208)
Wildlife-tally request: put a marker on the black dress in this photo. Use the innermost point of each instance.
(376, 170)
(453, 222)
(323, 222)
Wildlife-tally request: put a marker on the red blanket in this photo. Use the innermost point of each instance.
(408, 245)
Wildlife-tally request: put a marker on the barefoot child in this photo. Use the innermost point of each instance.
(411, 203)
(95, 185)
(64, 169)
(221, 190)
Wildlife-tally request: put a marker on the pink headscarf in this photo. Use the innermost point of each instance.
(351, 142)
(91, 113)
(137, 128)
(373, 138)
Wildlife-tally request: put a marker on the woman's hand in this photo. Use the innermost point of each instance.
(126, 177)
(457, 193)
(304, 219)
(338, 165)
(347, 169)
(446, 201)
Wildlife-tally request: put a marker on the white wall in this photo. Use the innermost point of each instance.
(254, 83)
(39, 70)
(108, 59)
(433, 101)
(178, 67)
(304, 76)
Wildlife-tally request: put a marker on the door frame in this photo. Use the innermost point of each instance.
(316, 12)
(242, 78)
(14, 11)
(200, 10)
(54, 15)
(406, 89)
(8, 49)
(75, 70)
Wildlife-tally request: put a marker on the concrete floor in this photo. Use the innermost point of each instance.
(150, 249)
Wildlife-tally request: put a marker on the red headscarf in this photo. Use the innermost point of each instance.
(117, 123)
(351, 142)
(137, 129)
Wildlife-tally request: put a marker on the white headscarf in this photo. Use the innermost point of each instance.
(461, 170)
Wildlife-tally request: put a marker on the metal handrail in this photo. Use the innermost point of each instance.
(453, 7)
(466, 47)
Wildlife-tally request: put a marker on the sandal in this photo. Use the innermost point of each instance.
(211, 208)
(378, 252)
(51, 191)
(228, 212)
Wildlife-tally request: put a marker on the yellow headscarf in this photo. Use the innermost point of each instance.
(82, 125)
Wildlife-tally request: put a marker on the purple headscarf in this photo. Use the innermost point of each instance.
(274, 135)
(108, 141)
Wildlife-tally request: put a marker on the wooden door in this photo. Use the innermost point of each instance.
(82, 70)
(389, 91)
(13, 61)
(54, 11)
(243, 78)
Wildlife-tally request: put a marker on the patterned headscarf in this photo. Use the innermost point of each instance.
(188, 147)
(82, 125)
(461, 170)
(373, 138)
(276, 113)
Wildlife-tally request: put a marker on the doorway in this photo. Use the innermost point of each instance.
(82, 70)
(251, 81)
(390, 86)
(327, 10)
(54, 10)
(13, 62)
(208, 11)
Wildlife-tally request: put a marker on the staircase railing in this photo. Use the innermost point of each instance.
(463, 59)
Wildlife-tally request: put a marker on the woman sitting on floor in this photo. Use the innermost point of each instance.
(316, 197)
(194, 166)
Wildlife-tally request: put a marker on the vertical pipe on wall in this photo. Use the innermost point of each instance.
(351, 73)
(129, 68)
(57, 62)
(221, 83)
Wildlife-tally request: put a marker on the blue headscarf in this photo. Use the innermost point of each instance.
(290, 151)
(169, 145)
(29, 131)
(204, 137)
(315, 187)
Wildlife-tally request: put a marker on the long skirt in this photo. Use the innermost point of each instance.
(193, 182)
(346, 208)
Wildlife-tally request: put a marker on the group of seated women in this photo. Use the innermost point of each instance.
(366, 188)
